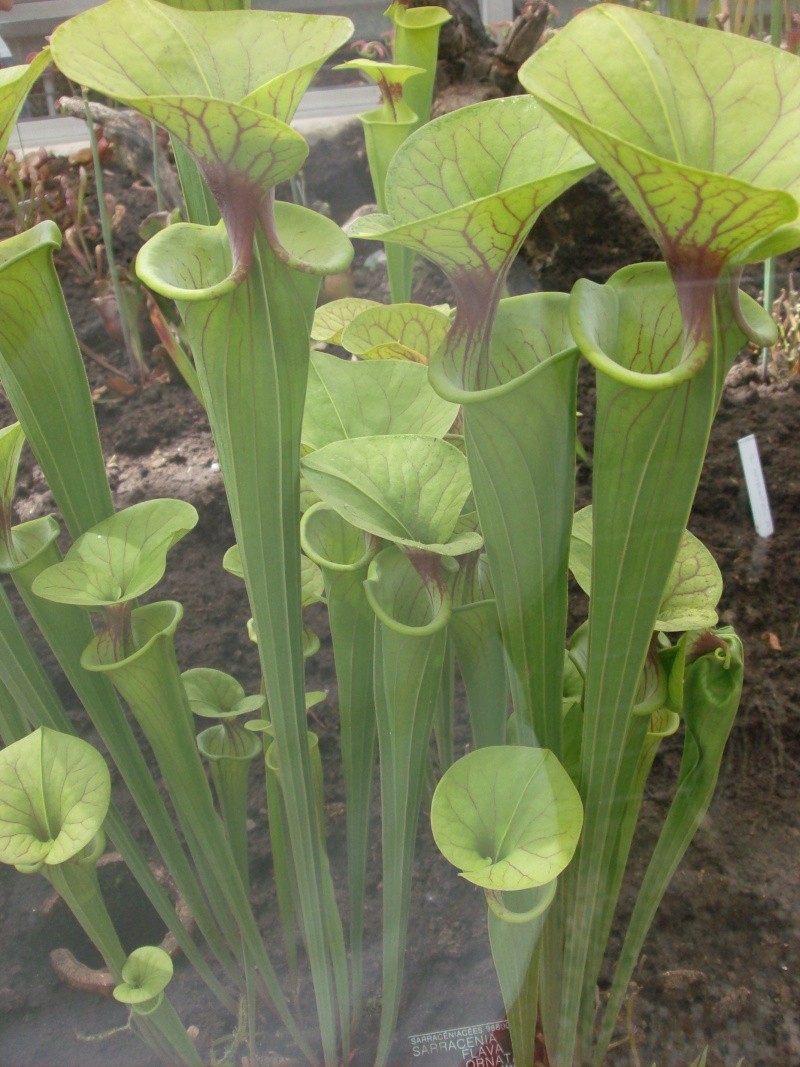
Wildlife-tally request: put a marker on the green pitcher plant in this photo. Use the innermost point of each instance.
(730, 201)
(54, 796)
(420, 492)
(234, 124)
(406, 88)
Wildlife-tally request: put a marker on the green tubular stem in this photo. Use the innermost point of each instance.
(150, 683)
(352, 634)
(382, 140)
(352, 625)
(520, 435)
(42, 371)
(200, 205)
(647, 747)
(44, 378)
(647, 462)
(230, 778)
(475, 630)
(341, 971)
(625, 808)
(408, 678)
(335, 932)
(79, 888)
(418, 46)
(334, 926)
(654, 520)
(126, 845)
(283, 869)
(23, 678)
(68, 631)
(252, 994)
(13, 724)
(523, 483)
(253, 374)
(445, 707)
(184, 365)
(521, 449)
(516, 951)
(251, 350)
(708, 725)
(167, 1035)
(155, 149)
(478, 644)
(400, 272)
(77, 885)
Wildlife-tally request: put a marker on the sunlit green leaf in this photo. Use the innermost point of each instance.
(54, 794)
(693, 588)
(216, 695)
(347, 400)
(15, 84)
(138, 49)
(390, 79)
(705, 155)
(225, 84)
(508, 817)
(118, 559)
(397, 331)
(146, 973)
(407, 489)
(331, 319)
(483, 170)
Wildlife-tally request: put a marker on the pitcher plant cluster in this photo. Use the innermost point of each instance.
(423, 490)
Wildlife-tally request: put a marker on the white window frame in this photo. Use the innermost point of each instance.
(497, 10)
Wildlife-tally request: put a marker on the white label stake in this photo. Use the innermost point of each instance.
(756, 486)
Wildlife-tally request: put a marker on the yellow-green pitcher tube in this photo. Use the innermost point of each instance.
(150, 683)
(68, 630)
(42, 373)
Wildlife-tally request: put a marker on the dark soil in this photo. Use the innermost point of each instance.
(722, 964)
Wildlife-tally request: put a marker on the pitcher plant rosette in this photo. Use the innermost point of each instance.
(422, 490)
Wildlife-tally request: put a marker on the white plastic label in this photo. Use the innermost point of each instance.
(479, 1045)
(756, 486)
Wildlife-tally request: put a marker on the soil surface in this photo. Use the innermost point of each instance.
(722, 963)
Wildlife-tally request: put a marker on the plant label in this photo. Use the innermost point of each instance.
(756, 486)
(481, 1045)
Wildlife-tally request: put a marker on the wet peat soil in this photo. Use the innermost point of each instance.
(722, 964)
